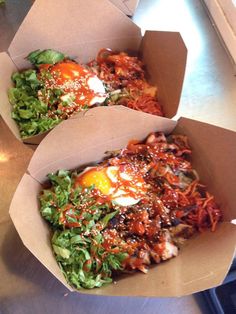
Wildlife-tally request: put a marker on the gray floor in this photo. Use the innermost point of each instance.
(209, 94)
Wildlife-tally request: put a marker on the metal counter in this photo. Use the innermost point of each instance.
(209, 95)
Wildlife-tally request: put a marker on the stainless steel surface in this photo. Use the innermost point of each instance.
(209, 94)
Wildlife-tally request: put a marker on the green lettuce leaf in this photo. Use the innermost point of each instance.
(76, 257)
(62, 252)
(79, 250)
(47, 56)
(27, 80)
(30, 113)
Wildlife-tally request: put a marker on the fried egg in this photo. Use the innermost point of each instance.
(122, 184)
(76, 80)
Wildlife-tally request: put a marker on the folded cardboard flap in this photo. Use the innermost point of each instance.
(7, 68)
(202, 263)
(84, 52)
(82, 34)
(50, 24)
(126, 6)
(33, 230)
(155, 49)
(204, 260)
(165, 55)
(96, 133)
(214, 158)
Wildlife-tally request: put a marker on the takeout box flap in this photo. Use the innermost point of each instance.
(204, 260)
(78, 28)
(202, 263)
(7, 68)
(165, 56)
(32, 229)
(126, 6)
(87, 136)
(82, 34)
(214, 158)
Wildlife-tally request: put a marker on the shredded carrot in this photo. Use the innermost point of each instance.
(124, 75)
(192, 204)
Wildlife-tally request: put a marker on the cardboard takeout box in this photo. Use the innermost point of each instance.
(204, 260)
(126, 6)
(92, 26)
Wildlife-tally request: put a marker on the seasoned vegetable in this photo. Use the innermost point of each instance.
(58, 87)
(133, 209)
(124, 78)
(52, 92)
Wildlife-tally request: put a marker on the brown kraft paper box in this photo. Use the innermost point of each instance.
(92, 26)
(203, 261)
(126, 6)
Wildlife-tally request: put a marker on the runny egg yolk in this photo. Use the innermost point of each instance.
(118, 183)
(65, 71)
(98, 178)
(74, 79)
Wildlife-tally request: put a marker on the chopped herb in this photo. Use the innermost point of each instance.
(30, 113)
(78, 239)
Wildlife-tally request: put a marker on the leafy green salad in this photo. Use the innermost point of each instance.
(54, 90)
(29, 111)
(78, 221)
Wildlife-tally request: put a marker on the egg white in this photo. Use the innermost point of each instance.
(96, 85)
(119, 197)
